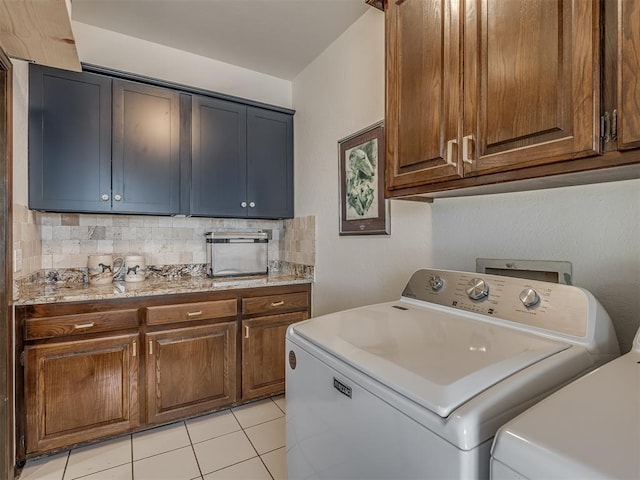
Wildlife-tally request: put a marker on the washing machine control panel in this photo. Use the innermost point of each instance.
(551, 306)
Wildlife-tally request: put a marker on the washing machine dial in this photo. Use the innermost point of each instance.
(529, 297)
(477, 289)
(436, 282)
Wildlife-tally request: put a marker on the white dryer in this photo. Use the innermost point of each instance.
(589, 429)
(417, 388)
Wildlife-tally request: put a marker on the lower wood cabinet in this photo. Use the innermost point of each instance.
(80, 390)
(263, 353)
(96, 369)
(190, 370)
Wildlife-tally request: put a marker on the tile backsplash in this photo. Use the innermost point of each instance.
(63, 241)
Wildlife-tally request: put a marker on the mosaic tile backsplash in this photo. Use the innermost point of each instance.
(54, 241)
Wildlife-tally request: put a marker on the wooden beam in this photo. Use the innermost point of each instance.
(38, 31)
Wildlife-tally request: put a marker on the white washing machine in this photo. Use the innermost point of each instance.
(417, 388)
(589, 429)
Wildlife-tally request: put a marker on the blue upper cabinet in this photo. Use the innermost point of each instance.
(101, 143)
(242, 160)
(69, 141)
(146, 153)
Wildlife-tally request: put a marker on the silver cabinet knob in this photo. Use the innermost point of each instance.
(104, 197)
(436, 282)
(243, 204)
(529, 297)
(252, 204)
(477, 289)
(117, 198)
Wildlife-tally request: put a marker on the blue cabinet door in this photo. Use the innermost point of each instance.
(69, 141)
(146, 149)
(219, 158)
(269, 163)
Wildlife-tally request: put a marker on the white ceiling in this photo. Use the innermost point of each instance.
(276, 37)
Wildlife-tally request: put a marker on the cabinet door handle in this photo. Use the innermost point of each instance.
(194, 314)
(104, 197)
(465, 148)
(135, 350)
(150, 347)
(117, 198)
(243, 204)
(246, 331)
(82, 326)
(449, 159)
(252, 204)
(277, 304)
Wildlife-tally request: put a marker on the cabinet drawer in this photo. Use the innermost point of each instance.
(191, 311)
(275, 303)
(78, 324)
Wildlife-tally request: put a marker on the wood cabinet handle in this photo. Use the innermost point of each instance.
(150, 347)
(465, 148)
(246, 331)
(135, 350)
(194, 314)
(81, 326)
(449, 159)
(277, 304)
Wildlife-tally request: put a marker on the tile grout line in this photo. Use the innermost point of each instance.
(64, 470)
(192, 449)
(254, 448)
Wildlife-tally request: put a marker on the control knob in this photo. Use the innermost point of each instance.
(477, 289)
(529, 297)
(436, 282)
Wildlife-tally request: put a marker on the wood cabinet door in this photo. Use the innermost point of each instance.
(269, 164)
(146, 149)
(80, 390)
(190, 370)
(219, 158)
(628, 74)
(263, 352)
(424, 97)
(69, 140)
(531, 83)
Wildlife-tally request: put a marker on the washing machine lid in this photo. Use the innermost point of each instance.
(588, 429)
(434, 356)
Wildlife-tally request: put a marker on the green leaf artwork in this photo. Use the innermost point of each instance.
(361, 180)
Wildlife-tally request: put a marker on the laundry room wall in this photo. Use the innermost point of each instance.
(595, 227)
(339, 93)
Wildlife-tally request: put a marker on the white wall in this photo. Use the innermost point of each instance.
(339, 93)
(129, 54)
(595, 227)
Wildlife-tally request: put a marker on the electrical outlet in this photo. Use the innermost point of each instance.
(17, 260)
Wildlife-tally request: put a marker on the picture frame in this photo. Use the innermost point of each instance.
(363, 208)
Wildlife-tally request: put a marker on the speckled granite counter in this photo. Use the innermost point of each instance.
(70, 285)
(77, 292)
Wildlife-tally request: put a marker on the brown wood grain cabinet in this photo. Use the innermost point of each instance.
(263, 353)
(482, 92)
(80, 390)
(190, 370)
(94, 369)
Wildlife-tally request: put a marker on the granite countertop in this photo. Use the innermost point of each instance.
(36, 293)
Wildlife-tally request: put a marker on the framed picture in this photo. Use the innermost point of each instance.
(363, 209)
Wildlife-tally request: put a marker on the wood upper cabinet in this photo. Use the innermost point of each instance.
(146, 149)
(531, 83)
(263, 353)
(628, 73)
(483, 87)
(424, 96)
(80, 390)
(190, 370)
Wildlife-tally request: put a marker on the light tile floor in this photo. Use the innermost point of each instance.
(242, 443)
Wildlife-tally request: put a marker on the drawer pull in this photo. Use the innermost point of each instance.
(194, 314)
(135, 350)
(277, 304)
(81, 326)
(246, 331)
(150, 347)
